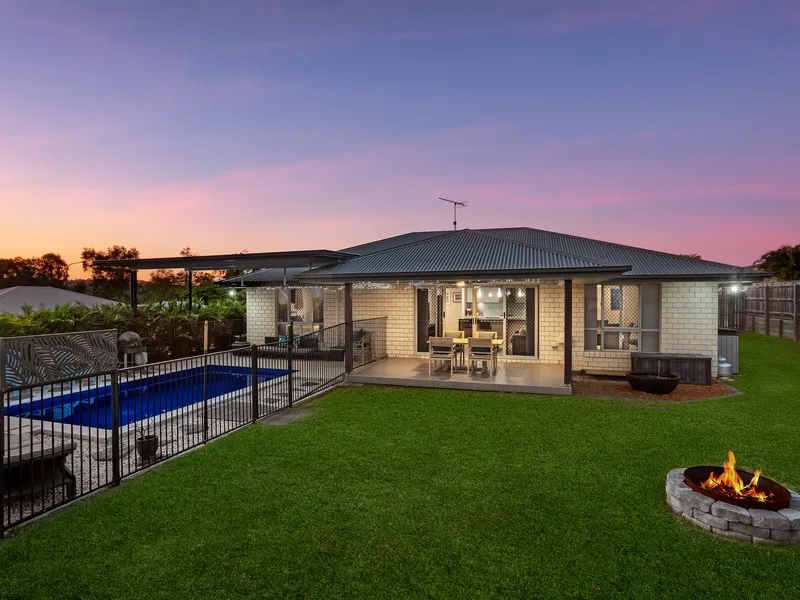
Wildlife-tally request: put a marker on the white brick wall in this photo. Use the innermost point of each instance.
(688, 325)
(261, 315)
(688, 321)
(397, 304)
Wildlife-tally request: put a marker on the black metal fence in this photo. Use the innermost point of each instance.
(370, 341)
(64, 439)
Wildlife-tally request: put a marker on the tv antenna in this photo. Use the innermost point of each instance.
(456, 205)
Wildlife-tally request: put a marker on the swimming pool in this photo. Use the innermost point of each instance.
(142, 398)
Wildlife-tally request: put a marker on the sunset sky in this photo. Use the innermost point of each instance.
(289, 125)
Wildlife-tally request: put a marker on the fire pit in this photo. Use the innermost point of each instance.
(735, 503)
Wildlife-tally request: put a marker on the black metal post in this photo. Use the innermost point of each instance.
(115, 449)
(289, 361)
(348, 327)
(254, 384)
(190, 283)
(568, 332)
(205, 398)
(134, 289)
(2, 453)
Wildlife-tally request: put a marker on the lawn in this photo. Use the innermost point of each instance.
(385, 492)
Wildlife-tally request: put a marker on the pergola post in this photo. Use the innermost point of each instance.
(134, 295)
(568, 332)
(348, 327)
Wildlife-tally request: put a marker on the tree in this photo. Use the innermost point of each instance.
(110, 282)
(783, 263)
(228, 273)
(51, 267)
(48, 269)
(166, 278)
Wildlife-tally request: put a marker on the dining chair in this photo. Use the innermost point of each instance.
(480, 350)
(441, 348)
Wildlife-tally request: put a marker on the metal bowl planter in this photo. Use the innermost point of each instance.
(146, 446)
(663, 383)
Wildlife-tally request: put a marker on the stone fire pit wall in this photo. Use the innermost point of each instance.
(753, 525)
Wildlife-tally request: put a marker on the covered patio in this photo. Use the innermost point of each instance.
(525, 378)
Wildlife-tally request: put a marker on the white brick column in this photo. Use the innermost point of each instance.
(261, 314)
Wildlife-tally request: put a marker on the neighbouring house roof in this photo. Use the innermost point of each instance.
(14, 298)
(503, 252)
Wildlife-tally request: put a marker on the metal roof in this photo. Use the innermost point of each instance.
(504, 252)
(265, 277)
(221, 262)
(645, 263)
(461, 253)
(393, 242)
(42, 296)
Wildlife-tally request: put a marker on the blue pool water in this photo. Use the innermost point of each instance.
(141, 398)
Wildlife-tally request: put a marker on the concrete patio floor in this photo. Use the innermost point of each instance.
(526, 378)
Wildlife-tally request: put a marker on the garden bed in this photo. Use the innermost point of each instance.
(587, 385)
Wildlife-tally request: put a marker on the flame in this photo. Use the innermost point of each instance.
(730, 484)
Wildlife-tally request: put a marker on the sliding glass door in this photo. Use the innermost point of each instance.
(430, 315)
(520, 333)
(508, 311)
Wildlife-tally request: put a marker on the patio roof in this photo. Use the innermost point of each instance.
(304, 259)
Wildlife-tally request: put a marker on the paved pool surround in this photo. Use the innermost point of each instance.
(753, 525)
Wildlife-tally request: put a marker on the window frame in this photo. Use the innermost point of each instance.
(600, 290)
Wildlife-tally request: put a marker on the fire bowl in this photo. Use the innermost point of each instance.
(720, 516)
(694, 476)
(664, 383)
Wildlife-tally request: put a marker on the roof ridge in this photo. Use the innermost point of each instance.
(433, 237)
(434, 234)
(543, 248)
(661, 252)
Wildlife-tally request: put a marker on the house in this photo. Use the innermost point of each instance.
(13, 299)
(559, 303)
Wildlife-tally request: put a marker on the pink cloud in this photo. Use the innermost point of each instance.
(390, 187)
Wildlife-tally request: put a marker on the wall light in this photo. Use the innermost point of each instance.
(460, 284)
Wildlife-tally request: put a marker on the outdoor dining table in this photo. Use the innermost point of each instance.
(496, 343)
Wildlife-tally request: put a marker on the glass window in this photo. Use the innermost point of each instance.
(622, 317)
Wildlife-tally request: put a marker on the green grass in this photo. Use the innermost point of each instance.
(387, 492)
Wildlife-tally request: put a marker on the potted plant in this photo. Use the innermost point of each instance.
(146, 439)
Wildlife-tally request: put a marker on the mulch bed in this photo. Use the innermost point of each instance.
(596, 386)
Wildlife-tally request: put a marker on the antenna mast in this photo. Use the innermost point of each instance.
(456, 205)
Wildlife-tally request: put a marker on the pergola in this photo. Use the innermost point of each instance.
(222, 262)
(261, 260)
